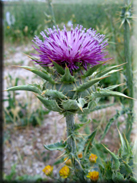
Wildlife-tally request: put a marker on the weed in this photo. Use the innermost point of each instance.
(17, 112)
(13, 177)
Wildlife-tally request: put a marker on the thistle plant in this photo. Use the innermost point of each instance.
(69, 63)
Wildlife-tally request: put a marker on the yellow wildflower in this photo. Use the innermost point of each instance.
(67, 161)
(80, 155)
(8, 27)
(93, 175)
(93, 158)
(48, 170)
(64, 172)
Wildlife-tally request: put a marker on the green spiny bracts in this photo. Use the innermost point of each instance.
(64, 92)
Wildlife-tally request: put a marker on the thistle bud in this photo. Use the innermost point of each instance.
(48, 170)
(92, 158)
(80, 155)
(68, 161)
(64, 172)
(93, 175)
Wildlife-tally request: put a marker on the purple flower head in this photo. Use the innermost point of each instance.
(76, 48)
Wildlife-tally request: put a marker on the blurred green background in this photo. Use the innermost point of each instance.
(28, 18)
(24, 19)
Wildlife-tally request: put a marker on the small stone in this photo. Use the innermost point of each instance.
(38, 140)
(27, 150)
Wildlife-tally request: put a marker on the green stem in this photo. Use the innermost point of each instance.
(129, 76)
(114, 44)
(71, 146)
(52, 12)
(70, 129)
(127, 1)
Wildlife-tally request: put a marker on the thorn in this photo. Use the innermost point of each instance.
(104, 77)
(21, 67)
(124, 162)
(15, 66)
(26, 68)
(60, 156)
(131, 98)
(118, 130)
(81, 109)
(43, 93)
(120, 69)
(129, 23)
(121, 84)
(122, 64)
(50, 59)
(106, 61)
(104, 146)
(28, 56)
(35, 94)
(66, 66)
(122, 23)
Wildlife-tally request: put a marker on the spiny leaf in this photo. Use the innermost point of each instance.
(127, 145)
(128, 168)
(111, 72)
(123, 145)
(108, 69)
(117, 177)
(86, 110)
(105, 93)
(90, 71)
(81, 102)
(115, 117)
(78, 126)
(25, 87)
(31, 57)
(125, 148)
(50, 104)
(113, 86)
(88, 84)
(56, 146)
(54, 94)
(102, 106)
(116, 163)
(89, 141)
(59, 69)
(39, 73)
(67, 77)
(61, 160)
(111, 153)
(109, 124)
(47, 70)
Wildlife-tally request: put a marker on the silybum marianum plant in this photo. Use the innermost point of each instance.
(69, 62)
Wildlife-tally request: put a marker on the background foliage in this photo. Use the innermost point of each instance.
(33, 17)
